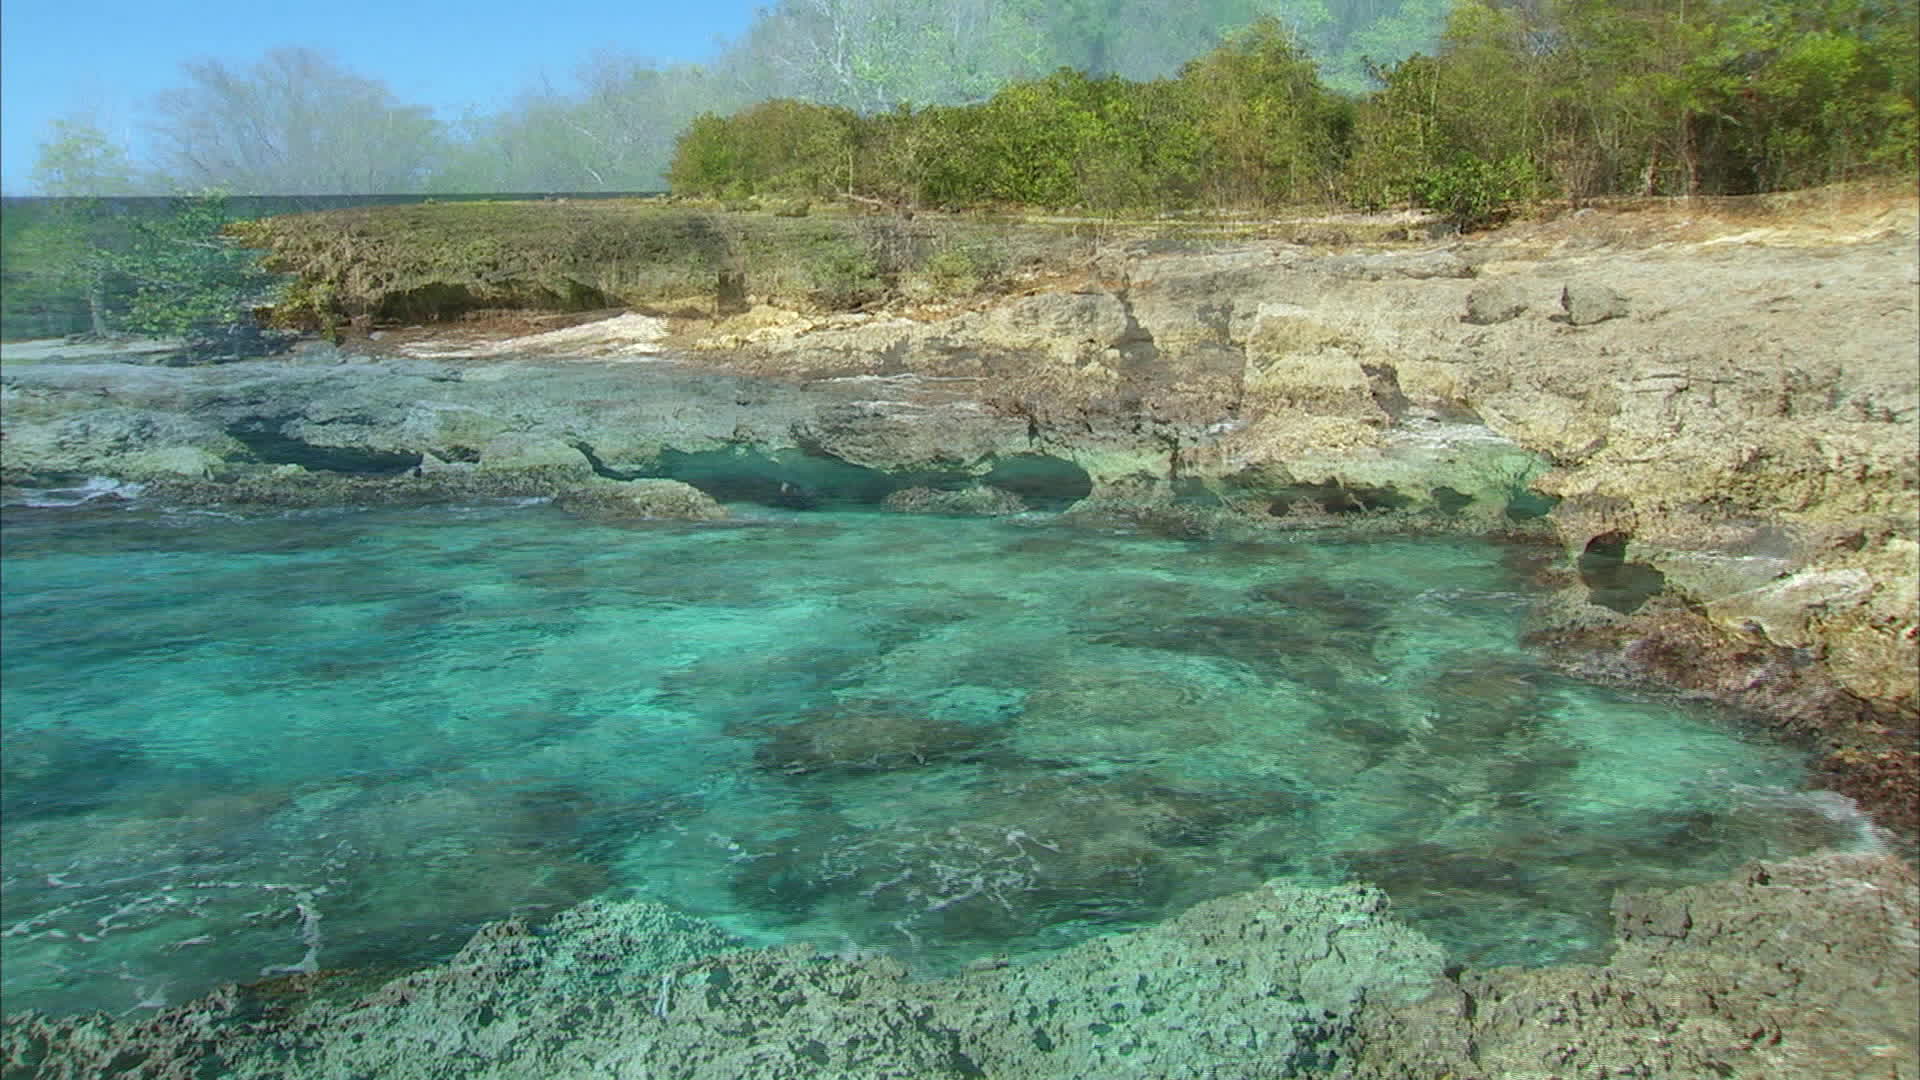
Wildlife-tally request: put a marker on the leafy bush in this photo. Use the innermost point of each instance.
(1473, 192)
(169, 275)
(777, 147)
(190, 275)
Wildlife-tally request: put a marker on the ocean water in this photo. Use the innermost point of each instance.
(241, 745)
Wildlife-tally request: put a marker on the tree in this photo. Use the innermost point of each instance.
(870, 55)
(66, 257)
(187, 274)
(171, 274)
(79, 159)
(1271, 127)
(294, 124)
(68, 249)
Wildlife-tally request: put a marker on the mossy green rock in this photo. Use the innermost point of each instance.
(641, 499)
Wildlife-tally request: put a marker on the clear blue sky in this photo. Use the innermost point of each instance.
(111, 56)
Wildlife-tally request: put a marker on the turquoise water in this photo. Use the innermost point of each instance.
(235, 746)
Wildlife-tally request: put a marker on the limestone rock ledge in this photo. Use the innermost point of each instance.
(1795, 970)
(1266, 984)
(1802, 969)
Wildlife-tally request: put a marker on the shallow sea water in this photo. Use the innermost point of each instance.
(235, 746)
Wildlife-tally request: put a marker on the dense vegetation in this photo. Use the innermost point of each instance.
(296, 122)
(101, 265)
(1575, 98)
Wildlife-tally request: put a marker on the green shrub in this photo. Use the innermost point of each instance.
(1473, 192)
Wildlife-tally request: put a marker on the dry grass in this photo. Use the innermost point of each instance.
(430, 261)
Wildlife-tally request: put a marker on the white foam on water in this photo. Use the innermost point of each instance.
(96, 488)
(1838, 812)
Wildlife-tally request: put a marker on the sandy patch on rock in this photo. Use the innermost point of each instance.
(626, 336)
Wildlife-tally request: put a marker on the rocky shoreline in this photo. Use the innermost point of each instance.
(1713, 422)
(1801, 968)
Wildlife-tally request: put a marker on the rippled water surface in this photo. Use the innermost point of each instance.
(345, 739)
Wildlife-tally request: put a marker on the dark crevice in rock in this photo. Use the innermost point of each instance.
(1529, 505)
(601, 468)
(1383, 382)
(1136, 345)
(1613, 582)
(438, 300)
(1040, 479)
(750, 475)
(810, 478)
(795, 479)
(268, 441)
(1193, 491)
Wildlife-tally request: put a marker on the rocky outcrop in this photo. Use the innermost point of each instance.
(1495, 302)
(1728, 422)
(1586, 303)
(1808, 968)
(1265, 984)
(625, 500)
(302, 431)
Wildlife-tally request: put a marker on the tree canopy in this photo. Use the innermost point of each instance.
(1518, 99)
(294, 123)
(1104, 104)
(297, 122)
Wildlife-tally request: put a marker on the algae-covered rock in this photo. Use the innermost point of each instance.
(636, 499)
(1264, 985)
(519, 450)
(975, 501)
(172, 460)
(1803, 968)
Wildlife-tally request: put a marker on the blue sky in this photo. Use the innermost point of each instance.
(109, 57)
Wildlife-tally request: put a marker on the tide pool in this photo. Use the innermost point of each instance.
(239, 746)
